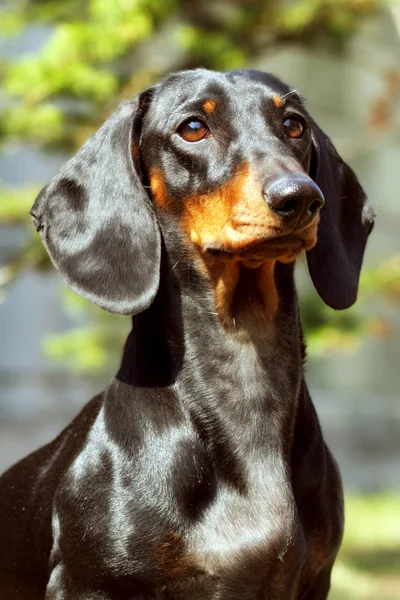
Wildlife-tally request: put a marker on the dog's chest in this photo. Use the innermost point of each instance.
(171, 511)
(242, 546)
(237, 525)
(235, 545)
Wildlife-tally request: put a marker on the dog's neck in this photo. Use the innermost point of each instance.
(250, 383)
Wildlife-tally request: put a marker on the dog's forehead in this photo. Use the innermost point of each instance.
(187, 88)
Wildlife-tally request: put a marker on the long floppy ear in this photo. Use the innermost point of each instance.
(97, 221)
(345, 222)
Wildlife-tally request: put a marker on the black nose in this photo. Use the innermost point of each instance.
(294, 198)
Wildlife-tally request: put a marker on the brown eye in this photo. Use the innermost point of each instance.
(293, 128)
(193, 130)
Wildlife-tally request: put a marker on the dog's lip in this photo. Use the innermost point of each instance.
(282, 244)
(267, 243)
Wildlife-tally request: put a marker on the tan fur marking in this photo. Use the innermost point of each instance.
(234, 216)
(224, 276)
(158, 188)
(245, 298)
(209, 106)
(266, 284)
(309, 234)
(278, 101)
(170, 558)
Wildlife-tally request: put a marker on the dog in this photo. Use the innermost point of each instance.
(200, 473)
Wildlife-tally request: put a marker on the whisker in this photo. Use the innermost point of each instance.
(289, 93)
(342, 198)
(230, 218)
(180, 258)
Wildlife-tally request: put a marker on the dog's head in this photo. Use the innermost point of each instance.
(239, 165)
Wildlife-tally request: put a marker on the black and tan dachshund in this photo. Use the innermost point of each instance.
(200, 473)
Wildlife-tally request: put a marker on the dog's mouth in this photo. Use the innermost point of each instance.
(252, 253)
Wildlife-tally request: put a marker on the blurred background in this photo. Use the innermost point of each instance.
(64, 67)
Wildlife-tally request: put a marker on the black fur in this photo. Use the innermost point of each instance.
(200, 472)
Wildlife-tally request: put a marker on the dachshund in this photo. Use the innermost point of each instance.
(200, 473)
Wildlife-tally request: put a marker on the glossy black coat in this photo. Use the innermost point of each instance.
(200, 473)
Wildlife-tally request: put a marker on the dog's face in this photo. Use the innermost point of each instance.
(235, 161)
(229, 156)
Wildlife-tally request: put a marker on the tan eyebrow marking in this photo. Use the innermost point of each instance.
(158, 187)
(209, 106)
(278, 101)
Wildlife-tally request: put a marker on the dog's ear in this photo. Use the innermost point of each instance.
(97, 221)
(346, 220)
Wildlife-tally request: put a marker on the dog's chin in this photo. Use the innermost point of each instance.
(285, 250)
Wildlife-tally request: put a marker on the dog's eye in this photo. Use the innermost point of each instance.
(293, 128)
(193, 130)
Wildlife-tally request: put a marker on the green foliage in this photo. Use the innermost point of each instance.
(338, 16)
(368, 563)
(87, 349)
(212, 48)
(41, 124)
(328, 330)
(93, 348)
(15, 204)
(92, 53)
(82, 61)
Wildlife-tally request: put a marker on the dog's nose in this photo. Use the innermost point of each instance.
(294, 198)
